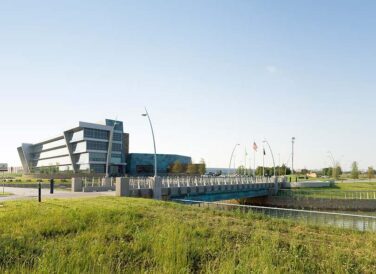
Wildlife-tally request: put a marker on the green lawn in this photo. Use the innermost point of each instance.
(339, 190)
(109, 235)
(356, 186)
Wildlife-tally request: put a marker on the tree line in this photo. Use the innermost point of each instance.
(191, 169)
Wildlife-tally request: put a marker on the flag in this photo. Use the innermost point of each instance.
(264, 151)
(255, 146)
(245, 150)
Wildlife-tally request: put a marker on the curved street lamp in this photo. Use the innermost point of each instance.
(271, 152)
(146, 114)
(232, 154)
(292, 155)
(109, 150)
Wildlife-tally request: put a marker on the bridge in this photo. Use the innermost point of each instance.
(181, 187)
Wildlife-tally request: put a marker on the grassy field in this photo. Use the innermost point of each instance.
(107, 235)
(361, 186)
(337, 191)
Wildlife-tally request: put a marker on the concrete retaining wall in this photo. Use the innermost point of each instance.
(98, 188)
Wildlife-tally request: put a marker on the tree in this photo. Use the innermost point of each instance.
(241, 170)
(336, 171)
(202, 167)
(176, 167)
(354, 170)
(192, 169)
(371, 172)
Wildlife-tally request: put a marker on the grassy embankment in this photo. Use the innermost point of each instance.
(135, 235)
(338, 190)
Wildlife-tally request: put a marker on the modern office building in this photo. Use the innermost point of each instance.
(141, 164)
(87, 148)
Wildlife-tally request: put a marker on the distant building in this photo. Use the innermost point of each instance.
(141, 164)
(312, 175)
(81, 149)
(15, 169)
(85, 149)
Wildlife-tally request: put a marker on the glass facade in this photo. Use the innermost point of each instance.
(97, 145)
(96, 133)
(117, 136)
(98, 157)
(97, 168)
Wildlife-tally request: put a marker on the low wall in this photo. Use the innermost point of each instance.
(314, 203)
(98, 188)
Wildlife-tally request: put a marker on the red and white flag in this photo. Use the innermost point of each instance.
(255, 146)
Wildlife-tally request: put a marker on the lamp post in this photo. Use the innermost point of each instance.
(335, 164)
(109, 151)
(271, 152)
(232, 154)
(146, 114)
(292, 155)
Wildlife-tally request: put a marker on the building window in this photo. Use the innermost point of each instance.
(95, 133)
(98, 157)
(117, 136)
(116, 147)
(95, 145)
(97, 168)
(144, 169)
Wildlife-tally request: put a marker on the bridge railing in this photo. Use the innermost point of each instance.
(95, 181)
(140, 182)
(187, 181)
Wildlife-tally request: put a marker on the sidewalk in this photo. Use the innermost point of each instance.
(32, 193)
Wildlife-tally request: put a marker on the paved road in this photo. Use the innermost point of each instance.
(32, 193)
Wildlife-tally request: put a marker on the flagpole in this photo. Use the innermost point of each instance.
(263, 161)
(254, 163)
(245, 160)
(254, 158)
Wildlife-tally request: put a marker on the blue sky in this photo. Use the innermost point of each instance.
(212, 74)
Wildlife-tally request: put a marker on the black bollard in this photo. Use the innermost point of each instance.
(52, 186)
(39, 192)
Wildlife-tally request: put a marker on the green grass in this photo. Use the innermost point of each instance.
(338, 190)
(110, 235)
(4, 193)
(361, 186)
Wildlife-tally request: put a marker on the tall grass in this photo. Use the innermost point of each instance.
(122, 235)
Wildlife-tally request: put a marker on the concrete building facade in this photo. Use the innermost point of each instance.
(87, 148)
